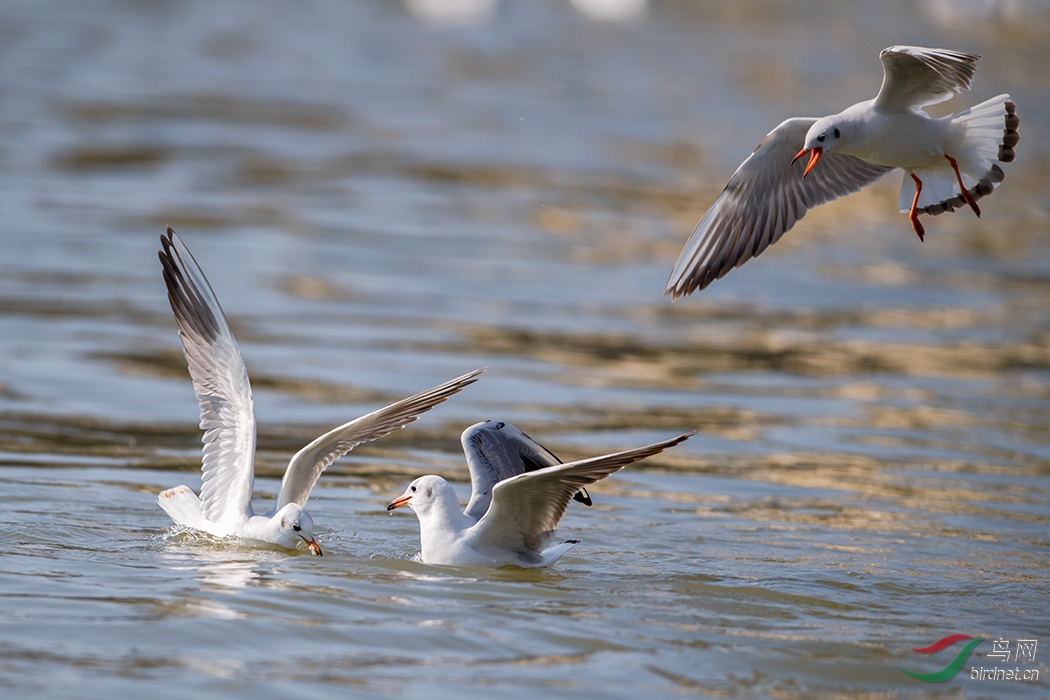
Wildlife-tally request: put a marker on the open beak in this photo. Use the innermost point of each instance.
(315, 548)
(814, 156)
(398, 502)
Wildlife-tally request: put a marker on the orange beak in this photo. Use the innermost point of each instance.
(315, 548)
(398, 502)
(814, 156)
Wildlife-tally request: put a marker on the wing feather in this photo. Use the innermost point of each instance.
(527, 508)
(497, 451)
(765, 197)
(914, 76)
(308, 463)
(220, 381)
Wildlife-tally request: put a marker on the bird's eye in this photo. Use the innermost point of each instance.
(499, 426)
(837, 133)
(822, 138)
(296, 527)
(412, 489)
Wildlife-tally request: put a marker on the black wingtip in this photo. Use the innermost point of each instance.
(583, 497)
(167, 243)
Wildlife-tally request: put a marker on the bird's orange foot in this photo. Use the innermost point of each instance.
(962, 188)
(913, 215)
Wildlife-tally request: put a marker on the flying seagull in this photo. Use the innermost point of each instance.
(948, 162)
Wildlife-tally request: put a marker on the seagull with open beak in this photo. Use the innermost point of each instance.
(948, 162)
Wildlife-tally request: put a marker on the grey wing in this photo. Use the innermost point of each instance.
(527, 508)
(914, 76)
(220, 382)
(497, 451)
(765, 197)
(308, 463)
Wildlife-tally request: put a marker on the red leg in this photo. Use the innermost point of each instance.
(965, 195)
(913, 215)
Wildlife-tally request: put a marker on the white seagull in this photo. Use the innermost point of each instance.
(220, 381)
(516, 502)
(947, 162)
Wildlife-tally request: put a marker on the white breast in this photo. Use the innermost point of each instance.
(901, 139)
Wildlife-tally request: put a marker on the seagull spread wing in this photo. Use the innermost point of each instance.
(497, 451)
(527, 508)
(915, 77)
(765, 197)
(220, 382)
(308, 463)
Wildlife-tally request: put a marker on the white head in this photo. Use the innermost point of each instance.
(426, 492)
(823, 137)
(294, 525)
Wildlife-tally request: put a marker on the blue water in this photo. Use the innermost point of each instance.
(383, 201)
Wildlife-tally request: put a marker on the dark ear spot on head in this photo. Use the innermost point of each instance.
(837, 132)
(429, 492)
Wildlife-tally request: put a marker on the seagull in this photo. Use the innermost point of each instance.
(948, 162)
(220, 381)
(514, 508)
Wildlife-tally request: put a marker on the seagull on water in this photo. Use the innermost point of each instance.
(220, 380)
(948, 162)
(519, 492)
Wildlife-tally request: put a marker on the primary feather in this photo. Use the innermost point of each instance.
(220, 381)
(309, 463)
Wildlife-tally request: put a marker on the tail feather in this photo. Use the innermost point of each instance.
(1011, 137)
(988, 137)
(184, 507)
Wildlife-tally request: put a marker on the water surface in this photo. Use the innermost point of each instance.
(384, 200)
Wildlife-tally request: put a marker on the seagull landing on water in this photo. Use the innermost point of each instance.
(220, 381)
(948, 162)
(519, 492)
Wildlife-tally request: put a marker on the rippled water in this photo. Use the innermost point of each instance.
(384, 199)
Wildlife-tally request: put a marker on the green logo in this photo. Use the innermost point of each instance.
(952, 669)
